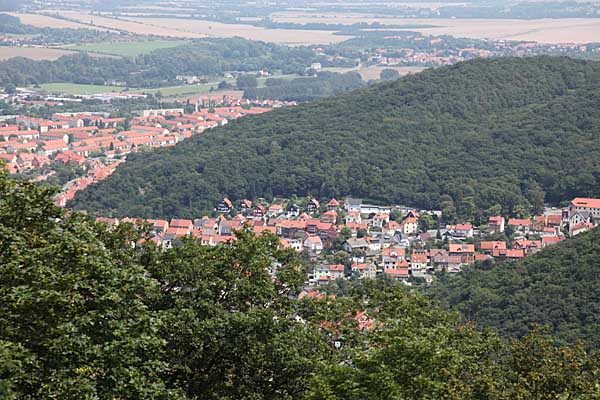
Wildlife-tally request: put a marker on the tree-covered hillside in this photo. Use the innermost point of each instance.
(212, 56)
(86, 315)
(462, 138)
(557, 287)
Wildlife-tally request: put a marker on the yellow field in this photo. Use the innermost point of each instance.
(217, 29)
(568, 30)
(179, 28)
(35, 53)
(169, 30)
(40, 53)
(42, 21)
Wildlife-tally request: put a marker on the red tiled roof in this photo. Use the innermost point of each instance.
(586, 202)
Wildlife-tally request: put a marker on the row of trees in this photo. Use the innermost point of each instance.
(83, 314)
(324, 84)
(206, 57)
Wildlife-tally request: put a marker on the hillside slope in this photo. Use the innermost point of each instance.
(462, 138)
(557, 287)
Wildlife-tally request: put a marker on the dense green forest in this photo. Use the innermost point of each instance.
(477, 136)
(556, 287)
(206, 57)
(307, 88)
(86, 315)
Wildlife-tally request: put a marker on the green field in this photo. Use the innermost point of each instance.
(168, 91)
(73, 88)
(127, 49)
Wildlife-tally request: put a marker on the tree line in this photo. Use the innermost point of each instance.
(207, 57)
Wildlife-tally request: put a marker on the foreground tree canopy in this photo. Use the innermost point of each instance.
(86, 315)
(484, 134)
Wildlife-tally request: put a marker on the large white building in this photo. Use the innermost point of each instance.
(585, 205)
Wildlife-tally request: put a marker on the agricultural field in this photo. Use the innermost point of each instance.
(35, 53)
(128, 49)
(171, 91)
(43, 21)
(567, 30)
(77, 89)
(184, 28)
(131, 26)
(217, 29)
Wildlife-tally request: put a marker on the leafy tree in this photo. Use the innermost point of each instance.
(74, 317)
(246, 82)
(426, 222)
(10, 88)
(389, 74)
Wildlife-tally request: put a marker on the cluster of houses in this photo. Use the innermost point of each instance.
(97, 142)
(436, 51)
(375, 244)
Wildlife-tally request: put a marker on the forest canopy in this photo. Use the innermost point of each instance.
(557, 287)
(506, 133)
(90, 313)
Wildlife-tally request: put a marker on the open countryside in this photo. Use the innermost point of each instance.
(128, 49)
(192, 28)
(35, 53)
(39, 53)
(577, 30)
(44, 21)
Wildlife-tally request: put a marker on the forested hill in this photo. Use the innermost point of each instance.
(463, 138)
(557, 287)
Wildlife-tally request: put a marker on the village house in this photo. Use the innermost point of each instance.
(465, 251)
(409, 226)
(274, 210)
(259, 211)
(364, 270)
(520, 225)
(245, 206)
(391, 227)
(495, 224)
(419, 259)
(292, 210)
(493, 248)
(400, 271)
(579, 204)
(529, 247)
(313, 244)
(313, 206)
(225, 206)
(461, 231)
(391, 255)
(51, 147)
(353, 217)
(333, 205)
(379, 220)
(336, 271)
(182, 225)
(329, 217)
(354, 245)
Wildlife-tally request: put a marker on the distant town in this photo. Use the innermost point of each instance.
(345, 240)
(92, 144)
